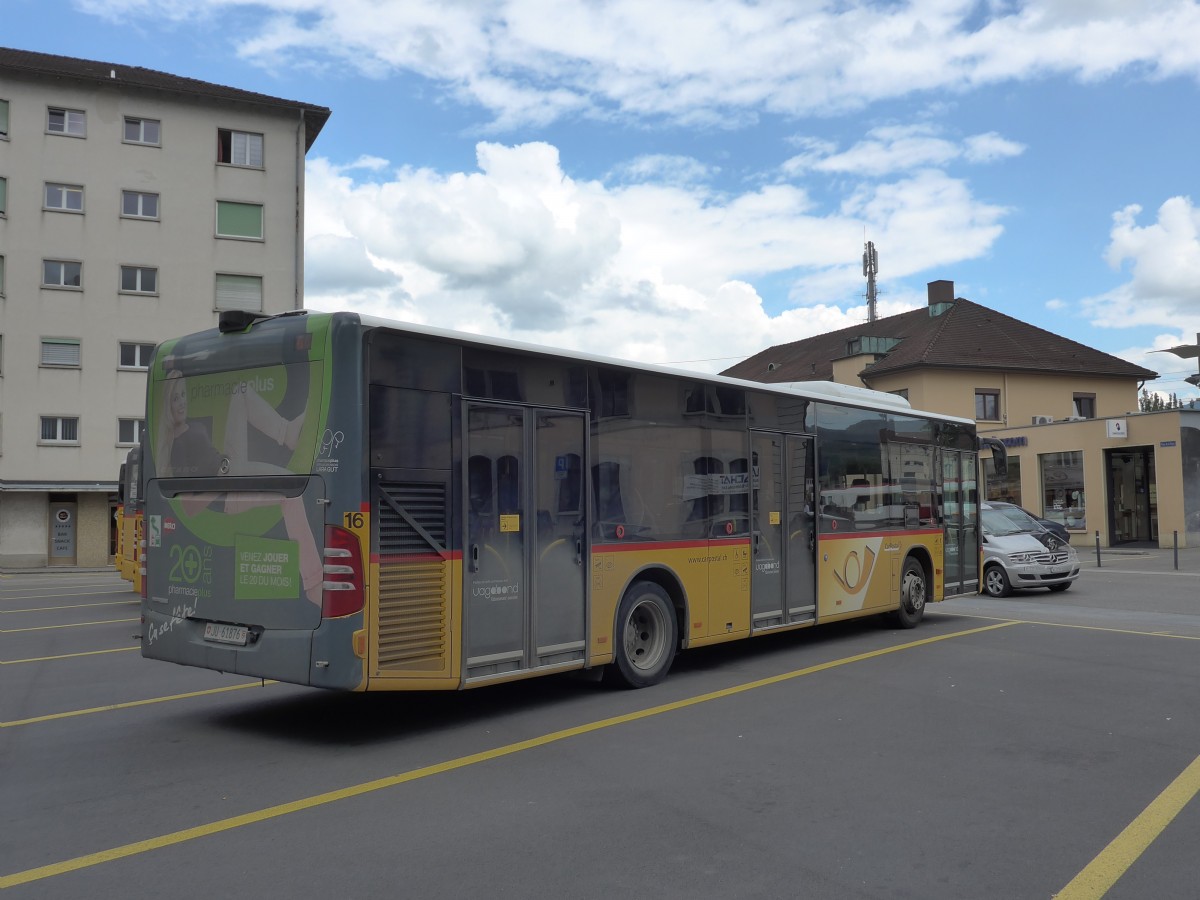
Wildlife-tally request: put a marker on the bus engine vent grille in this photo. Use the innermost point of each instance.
(413, 577)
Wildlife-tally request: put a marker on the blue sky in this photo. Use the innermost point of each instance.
(691, 181)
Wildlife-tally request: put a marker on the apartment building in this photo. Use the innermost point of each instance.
(134, 206)
(1080, 452)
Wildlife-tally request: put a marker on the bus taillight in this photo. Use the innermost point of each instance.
(342, 589)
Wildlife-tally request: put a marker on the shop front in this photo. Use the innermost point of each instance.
(1127, 480)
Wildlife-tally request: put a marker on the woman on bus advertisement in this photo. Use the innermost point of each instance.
(249, 427)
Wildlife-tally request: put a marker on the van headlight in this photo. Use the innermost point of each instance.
(1023, 557)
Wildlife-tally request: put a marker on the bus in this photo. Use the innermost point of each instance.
(351, 503)
(129, 520)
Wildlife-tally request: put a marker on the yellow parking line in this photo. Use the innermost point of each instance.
(71, 625)
(4, 612)
(75, 592)
(1182, 637)
(1123, 851)
(129, 705)
(283, 809)
(13, 662)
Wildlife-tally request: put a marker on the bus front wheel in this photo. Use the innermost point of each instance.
(646, 637)
(914, 592)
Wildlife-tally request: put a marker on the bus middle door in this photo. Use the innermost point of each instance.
(783, 577)
(524, 595)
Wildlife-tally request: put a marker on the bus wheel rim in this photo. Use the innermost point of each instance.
(914, 591)
(645, 635)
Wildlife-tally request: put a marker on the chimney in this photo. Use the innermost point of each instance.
(941, 297)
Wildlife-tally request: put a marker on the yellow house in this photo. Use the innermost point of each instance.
(1080, 452)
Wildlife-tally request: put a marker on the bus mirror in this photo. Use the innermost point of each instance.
(999, 455)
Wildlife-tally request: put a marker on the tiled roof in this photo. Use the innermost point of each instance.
(85, 70)
(965, 336)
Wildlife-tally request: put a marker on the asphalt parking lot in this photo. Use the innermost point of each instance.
(1037, 746)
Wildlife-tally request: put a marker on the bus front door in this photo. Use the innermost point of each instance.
(524, 594)
(960, 508)
(783, 577)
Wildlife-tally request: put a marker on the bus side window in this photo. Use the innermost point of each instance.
(606, 484)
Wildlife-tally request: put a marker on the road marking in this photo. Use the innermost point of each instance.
(71, 625)
(283, 809)
(1183, 637)
(13, 662)
(121, 590)
(130, 704)
(5, 612)
(1098, 877)
(1105, 570)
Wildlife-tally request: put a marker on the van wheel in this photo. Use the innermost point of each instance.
(995, 582)
(646, 637)
(914, 592)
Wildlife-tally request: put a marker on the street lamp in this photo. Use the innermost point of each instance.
(1187, 351)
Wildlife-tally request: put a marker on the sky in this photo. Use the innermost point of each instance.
(688, 182)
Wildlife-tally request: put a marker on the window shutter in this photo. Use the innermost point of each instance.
(60, 353)
(239, 292)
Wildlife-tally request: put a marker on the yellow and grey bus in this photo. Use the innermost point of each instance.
(346, 502)
(129, 520)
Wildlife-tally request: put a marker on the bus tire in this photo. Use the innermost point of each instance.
(645, 637)
(914, 594)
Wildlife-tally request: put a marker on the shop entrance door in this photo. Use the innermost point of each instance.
(1132, 496)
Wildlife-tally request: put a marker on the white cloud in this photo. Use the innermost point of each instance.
(898, 148)
(531, 61)
(1163, 261)
(652, 271)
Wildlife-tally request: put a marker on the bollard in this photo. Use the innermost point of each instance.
(1098, 563)
(1176, 539)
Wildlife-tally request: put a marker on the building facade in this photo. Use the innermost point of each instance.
(134, 206)
(1079, 450)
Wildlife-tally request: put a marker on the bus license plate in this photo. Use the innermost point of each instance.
(225, 634)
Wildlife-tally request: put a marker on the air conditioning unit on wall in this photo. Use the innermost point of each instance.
(1042, 420)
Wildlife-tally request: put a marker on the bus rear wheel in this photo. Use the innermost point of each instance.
(646, 637)
(914, 592)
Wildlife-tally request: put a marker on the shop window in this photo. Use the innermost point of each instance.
(1062, 488)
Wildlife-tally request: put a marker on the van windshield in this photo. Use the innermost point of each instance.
(997, 524)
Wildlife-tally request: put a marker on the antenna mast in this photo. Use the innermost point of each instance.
(870, 269)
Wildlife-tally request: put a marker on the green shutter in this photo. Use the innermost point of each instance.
(239, 219)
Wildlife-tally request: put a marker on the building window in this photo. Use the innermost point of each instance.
(139, 280)
(136, 356)
(1, 276)
(1062, 488)
(3, 119)
(66, 121)
(129, 431)
(1084, 406)
(141, 131)
(3, 195)
(239, 148)
(239, 292)
(60, 430)
(139, 205)
(63, 197)
(239, 220)
(987, 405)
(61, 352)
(61, 273)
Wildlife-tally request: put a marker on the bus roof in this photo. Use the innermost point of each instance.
(810, 390)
